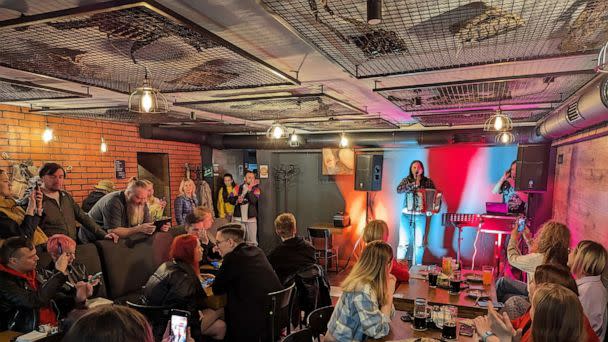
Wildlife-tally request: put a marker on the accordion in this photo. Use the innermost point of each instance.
(422, 201)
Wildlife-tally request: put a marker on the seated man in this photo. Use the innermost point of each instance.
(125, 213)
(294, 253)
(26, 301)
(61, 213)
(198, 223)
(247, 278)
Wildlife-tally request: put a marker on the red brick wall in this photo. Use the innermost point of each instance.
(580, 197)
(77, 144)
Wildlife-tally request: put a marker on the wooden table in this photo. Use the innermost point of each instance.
(213, 301)
(401, 330)
(7, 336)
(406, 293)
(329, 226)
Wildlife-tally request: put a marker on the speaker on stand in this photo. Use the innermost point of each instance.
(368, 177)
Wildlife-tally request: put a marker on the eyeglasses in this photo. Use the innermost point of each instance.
(220, 241)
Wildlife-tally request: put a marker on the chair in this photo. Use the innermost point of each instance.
(318, 319)
(304, 335)
(279, 310)
(157, 316)
(327, 252)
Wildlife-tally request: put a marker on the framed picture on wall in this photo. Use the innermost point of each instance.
(338, 161)
(263, 171)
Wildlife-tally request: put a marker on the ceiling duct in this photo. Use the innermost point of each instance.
(589, 108)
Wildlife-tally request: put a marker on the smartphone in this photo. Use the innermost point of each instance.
(161, 222)
(521, 224)
(406, 317)
(466, 330)
(96, 276)
(59, 249)
(484, 304)
(179, 325)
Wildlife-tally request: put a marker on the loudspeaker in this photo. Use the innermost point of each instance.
(532, 168)
(368, 173)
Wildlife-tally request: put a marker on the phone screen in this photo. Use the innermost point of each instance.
(466, 330)
(521, 224)
(178, 328)
(59, 249)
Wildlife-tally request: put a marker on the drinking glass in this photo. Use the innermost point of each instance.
(433, 274)
(450, 317)
(487, 273)
(420, 314)
(446, 265)
(455, 281)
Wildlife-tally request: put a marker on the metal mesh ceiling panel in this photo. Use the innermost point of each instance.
(343, 124)
(122, 114)
(475, 118)
(111, 47)
(438, 34)
(471, 94)
(278, 107)
(14, 91)
(217, 127)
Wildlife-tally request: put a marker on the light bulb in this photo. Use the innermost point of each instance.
(294, 138)
(498, 124)
(277, 132)
(47, 135)
(146, 101)
(343, 141)
(504, 138)
(103, 147)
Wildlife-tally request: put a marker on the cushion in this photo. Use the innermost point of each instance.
(88, 256)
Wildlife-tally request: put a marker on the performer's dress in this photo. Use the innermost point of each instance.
(409, 222)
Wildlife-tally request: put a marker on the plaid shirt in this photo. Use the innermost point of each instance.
(357, 315)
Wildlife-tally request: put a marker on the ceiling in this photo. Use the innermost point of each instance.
(233, 66)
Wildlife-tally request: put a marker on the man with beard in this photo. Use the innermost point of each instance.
(125, 213)
(61, 211)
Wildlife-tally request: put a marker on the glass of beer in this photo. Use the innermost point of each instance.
(433, 274)
(446, 265)
(487, 274)
(455, 281)
(450, 317)
(420, 314)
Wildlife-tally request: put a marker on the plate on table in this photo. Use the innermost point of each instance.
(474, 293)
(474, 278)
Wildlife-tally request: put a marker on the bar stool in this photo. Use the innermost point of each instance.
(327, 252)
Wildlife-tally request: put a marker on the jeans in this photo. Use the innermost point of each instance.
(508, 287)
(405, 249)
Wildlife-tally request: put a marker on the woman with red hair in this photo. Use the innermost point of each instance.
(176, 284)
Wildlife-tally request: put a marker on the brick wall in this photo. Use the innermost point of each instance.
(77, 145)
(580, 197)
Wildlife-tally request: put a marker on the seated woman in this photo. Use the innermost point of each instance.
(110, 323)
(378, 230)
(176, 284)
(155, 205)
(14, 221)
(588, 263)
(198, 223)
(366, 304)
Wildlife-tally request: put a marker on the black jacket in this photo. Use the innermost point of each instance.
(91, 199)
(175, 285)
(291, 256)
(10, 228)
(19, 302)
(249, 198)
(246, 277)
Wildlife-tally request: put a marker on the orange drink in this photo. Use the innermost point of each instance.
(487, 273)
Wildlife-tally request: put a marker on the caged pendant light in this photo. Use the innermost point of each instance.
(147, 99)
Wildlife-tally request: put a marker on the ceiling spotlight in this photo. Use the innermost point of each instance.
(147, 100)
(294, 140)
(498, 122)
(343, 141)
(374, 12)
(602, 60)
(276, 131)
(47, 135)
(103, 147)
(505, 138)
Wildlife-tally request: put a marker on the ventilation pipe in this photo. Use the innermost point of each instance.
(523, 135)
(589, 108)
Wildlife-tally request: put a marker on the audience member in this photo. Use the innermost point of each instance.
(186, 201)
(198, 223)
(294, 253)
(552, 235)
(125, 213)
(246, 277)
(110, 323)
(588, 264)
(102, 188)
(26, 301)
(61, 213)
(246, 207)
(366, 304)
(378, 230)
(14, 220)
(227, 190)
(156, 206)
(176, 284)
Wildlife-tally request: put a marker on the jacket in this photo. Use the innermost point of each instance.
(111, 211)
(183, 207)
(246, 277)
(63, 218)
(249, 198)
(312, 289)
(21, 304)
(9, 227)
(91, 199)
(224, 207)
(291, 256)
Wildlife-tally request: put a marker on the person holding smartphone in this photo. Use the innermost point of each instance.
(516, 200)
(16, 221)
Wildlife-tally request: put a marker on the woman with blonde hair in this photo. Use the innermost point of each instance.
(156, 206)
(588, 264)
(551, 237)
(186, 201)
(377, 230)
(366, 304)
